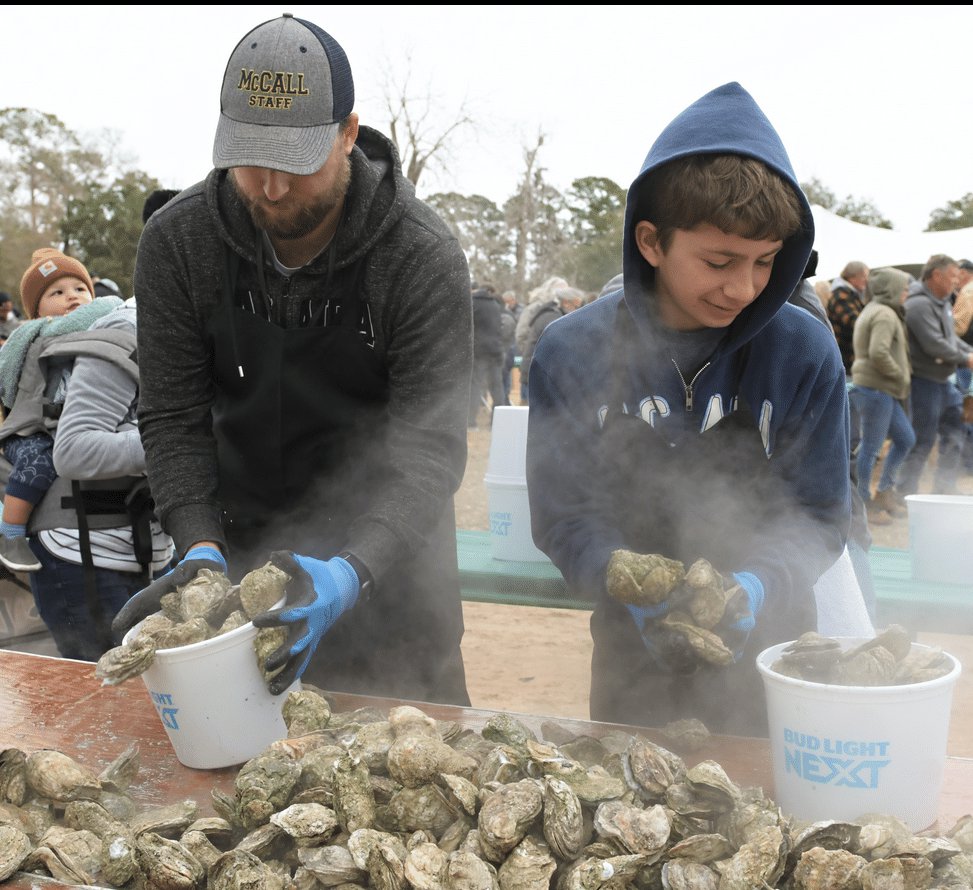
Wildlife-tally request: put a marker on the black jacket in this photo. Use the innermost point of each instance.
(487, 334)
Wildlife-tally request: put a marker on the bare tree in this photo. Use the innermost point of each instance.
(521, 210)
(415, 125)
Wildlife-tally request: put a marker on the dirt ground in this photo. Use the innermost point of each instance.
(531, 660)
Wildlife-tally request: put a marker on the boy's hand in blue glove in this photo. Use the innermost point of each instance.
(149, 599)
(736, 631)
(667, 647)
(317, 594)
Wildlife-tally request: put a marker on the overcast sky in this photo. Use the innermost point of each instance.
(875, 102)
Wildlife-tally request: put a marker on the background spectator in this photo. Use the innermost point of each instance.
(9, 322)
(508, 332)
(936, 352)
(881, 375)
(566, 299)
(488, 352)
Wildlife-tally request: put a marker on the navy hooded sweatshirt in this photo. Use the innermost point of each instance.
(783, 363)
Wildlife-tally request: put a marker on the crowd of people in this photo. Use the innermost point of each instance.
(908, 355)
(311, 353)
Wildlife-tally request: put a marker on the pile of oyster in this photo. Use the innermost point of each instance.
(396, 800)
(888, 659)
(702, 605)
(205, 607)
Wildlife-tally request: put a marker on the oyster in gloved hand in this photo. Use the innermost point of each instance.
(642, 579)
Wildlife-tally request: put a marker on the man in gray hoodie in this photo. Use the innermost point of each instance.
(936, 352)
(305, 341)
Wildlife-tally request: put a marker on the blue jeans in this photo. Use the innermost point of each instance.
(964, 380)
(59, 594)
(937, 411)
(881, 417)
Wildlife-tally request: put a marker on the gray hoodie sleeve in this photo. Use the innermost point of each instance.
(96, 437)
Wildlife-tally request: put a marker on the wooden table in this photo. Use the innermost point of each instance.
(56, 703)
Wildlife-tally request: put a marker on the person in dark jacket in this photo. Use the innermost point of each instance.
(305, 342)
(566, 299)
(488, 352)
(695, 414)
(935, 353)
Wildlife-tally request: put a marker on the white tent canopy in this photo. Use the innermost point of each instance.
(839, 241)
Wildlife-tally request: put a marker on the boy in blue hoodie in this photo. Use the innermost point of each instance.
(696, 414)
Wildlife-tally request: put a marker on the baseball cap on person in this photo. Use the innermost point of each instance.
(286, 89)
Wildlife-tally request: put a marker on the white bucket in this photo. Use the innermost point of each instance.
(213, 701)
(842, 751)
(940, 533)
(506, 483)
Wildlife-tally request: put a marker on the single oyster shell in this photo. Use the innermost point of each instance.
(204, 594)
(634, 829)
(563, 824)
(262, 589)
(416, 760)
(467, 871)
(685, 874)
(354, 800)
(425, 867)
(125, 661)
(263, 786)
(167, 863)
(304, 712)
(238, 869)
(15, 847)
(54, 775)
(528, 867)
(506, 815)
(642, 579)
(13, 776)
(309, 824)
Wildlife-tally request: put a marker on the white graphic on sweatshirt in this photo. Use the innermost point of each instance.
(656, 407)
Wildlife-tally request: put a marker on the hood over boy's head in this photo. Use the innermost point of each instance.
(720, 162)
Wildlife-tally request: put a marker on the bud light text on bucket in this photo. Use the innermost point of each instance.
(840, 762)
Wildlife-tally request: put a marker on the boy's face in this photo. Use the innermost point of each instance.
(706, 278)
(63, 296)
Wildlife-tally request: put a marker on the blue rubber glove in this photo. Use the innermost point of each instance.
(149, 599)
(663, 647)
(641, 615)
(318, 593)
(738, 632)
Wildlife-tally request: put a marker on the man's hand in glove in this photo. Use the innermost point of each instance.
(318, 593)
(148, 600)
(735, 630)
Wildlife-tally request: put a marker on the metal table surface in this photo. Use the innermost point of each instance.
(57, 703)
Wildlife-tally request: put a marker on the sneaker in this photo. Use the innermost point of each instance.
(16, 555)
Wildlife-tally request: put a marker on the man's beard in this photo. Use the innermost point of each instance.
(303, 220)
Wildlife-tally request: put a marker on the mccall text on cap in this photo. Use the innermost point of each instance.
(286, 89)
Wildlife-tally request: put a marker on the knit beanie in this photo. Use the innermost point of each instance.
(47, 266)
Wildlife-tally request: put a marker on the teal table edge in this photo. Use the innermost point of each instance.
(902, 599)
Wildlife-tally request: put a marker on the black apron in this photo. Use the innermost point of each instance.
(302, 450)
(708, 495)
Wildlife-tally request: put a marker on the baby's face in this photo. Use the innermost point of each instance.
(63, 296)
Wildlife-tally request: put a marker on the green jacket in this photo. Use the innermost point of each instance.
(880, 339)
